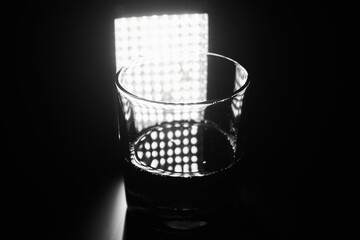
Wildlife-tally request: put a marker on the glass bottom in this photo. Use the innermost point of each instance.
(181, 222)
(182, 174)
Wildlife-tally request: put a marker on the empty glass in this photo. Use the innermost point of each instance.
(181, 132)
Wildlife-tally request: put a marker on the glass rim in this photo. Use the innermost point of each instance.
(205, 103)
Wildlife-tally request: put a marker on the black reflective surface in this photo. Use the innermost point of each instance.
(66, 169)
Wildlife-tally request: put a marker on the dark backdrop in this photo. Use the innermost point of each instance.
(63, 130)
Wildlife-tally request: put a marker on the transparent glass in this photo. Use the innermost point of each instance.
(181, 133)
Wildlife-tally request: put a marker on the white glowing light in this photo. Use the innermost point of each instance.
(152, 117)
(185, 150)
(194, 149)
(162, 161)
(194, 130)
(154, 153)
(194, 115)
(169, 117)
(147, 146)
(166, 78)
(177, 116)
(170, 160)
(140, 154)
(170, 135)
(162, 153)
(185, 116)
(177, 142)
(177, 151)
(194, 158)
(154, 163)
(154, 136)
(194, 167)
(170, 152)
(159, 33)
(178, 168)
(193, 140)
(186, 168)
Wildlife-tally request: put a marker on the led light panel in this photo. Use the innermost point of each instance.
(150, 35)
(163, 79)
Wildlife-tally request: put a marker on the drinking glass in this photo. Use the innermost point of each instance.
(181, 134)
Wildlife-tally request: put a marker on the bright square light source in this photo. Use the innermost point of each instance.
(167, 80)
(159, 34)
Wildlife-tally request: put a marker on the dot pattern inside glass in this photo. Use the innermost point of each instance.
(183, 149)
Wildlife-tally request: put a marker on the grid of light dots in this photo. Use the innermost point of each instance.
(184, 81)
(172, 149)
(149, 35)
(163, 35)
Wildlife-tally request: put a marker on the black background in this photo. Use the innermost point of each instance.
(63, 124)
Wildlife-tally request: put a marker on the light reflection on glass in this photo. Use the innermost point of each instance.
(176, 158)
(240, 79)
(237, 101)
